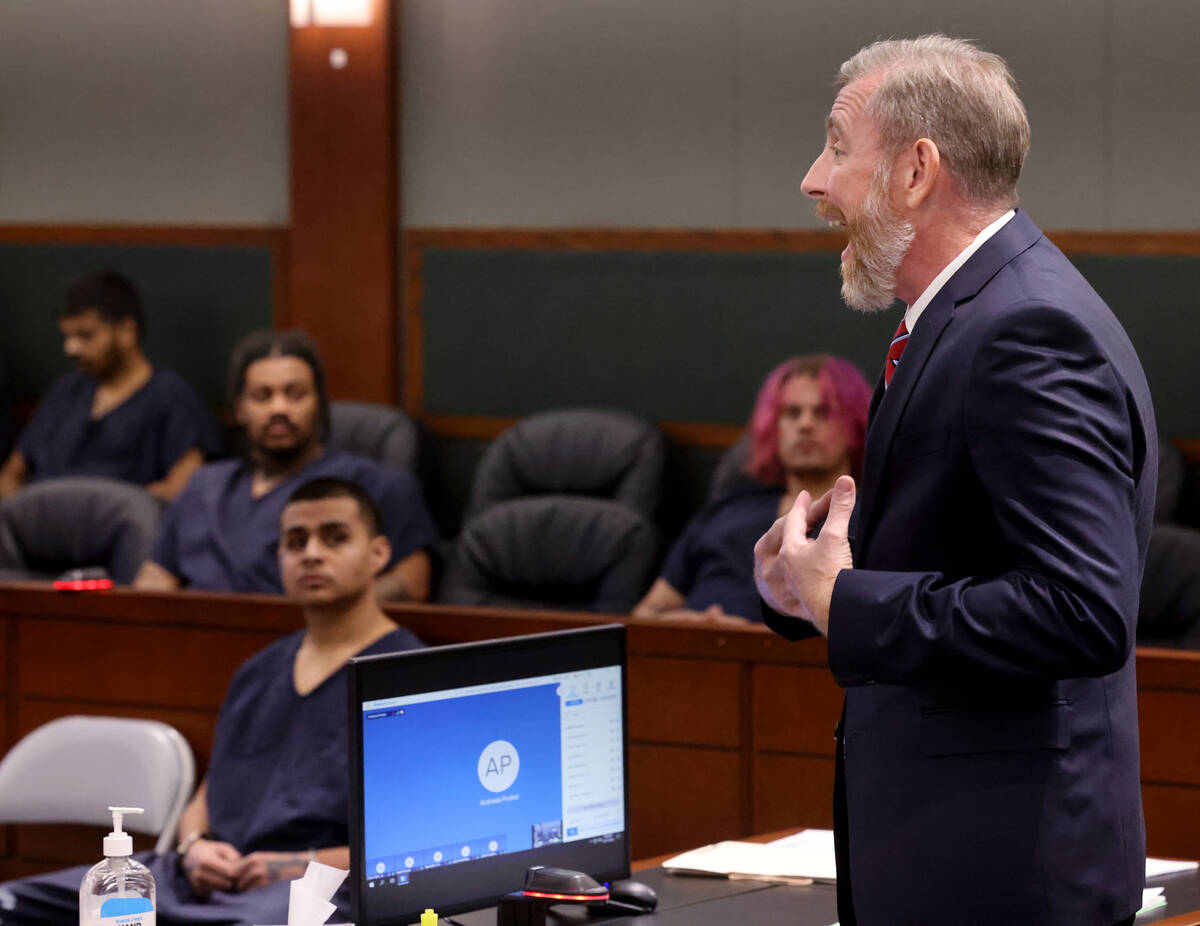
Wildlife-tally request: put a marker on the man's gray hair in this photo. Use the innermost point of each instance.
(960, 97)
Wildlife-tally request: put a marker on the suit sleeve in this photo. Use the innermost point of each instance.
(1054, 438)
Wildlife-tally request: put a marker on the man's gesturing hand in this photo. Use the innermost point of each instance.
(794, 574)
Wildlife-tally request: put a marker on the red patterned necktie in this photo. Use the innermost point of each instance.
(895, 350)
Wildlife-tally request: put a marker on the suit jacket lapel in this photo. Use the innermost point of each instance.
(886, 408)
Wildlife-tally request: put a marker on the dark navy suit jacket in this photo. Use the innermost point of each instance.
(985, 636)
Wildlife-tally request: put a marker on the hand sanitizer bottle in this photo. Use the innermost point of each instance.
(118, 891)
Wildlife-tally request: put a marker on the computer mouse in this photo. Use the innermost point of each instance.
(562, 884)
(629, 896)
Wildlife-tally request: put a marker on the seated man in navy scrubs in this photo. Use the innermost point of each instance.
(807, 428)
(117, 414)
(275, 796)
(221, 533)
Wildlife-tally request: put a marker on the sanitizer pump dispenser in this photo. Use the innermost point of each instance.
(118, 891)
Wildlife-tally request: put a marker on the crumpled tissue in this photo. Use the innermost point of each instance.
(309, 899)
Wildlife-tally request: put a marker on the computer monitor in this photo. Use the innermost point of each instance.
(473, 762)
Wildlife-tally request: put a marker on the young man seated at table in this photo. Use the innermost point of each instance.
(221, 533)
(275, 795)
(117, 414)
(807, 428)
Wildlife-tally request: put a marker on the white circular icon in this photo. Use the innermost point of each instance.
(498, 766)
(493, 846)
(409, 862)
(380, 868)
(437, 856)
(466, 850)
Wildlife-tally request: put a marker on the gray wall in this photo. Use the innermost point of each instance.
(144, 111)
(706, 113)
(700, 113)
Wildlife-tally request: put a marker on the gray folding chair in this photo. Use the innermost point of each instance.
(72, 769)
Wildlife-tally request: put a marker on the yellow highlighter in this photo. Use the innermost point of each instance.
(429, 918)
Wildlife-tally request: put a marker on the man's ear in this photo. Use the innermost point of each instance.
(917, 171)
(127, 333)
(380, 551)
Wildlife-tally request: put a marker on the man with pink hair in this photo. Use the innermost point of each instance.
(806, 429)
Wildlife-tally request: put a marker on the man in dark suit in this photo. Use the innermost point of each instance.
(979, 591)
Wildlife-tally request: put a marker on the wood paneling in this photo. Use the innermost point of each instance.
(1169, 726)
(731, 728)
(1168, 669)
(344, 201)
(792, 791)
(684, 797)
(59, 845)
(1118, 243)
(131, 664)
(1172, 817)
(795, 710)
(685, 701)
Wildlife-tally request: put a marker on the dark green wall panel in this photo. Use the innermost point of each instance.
(688, 336)
(671, 336)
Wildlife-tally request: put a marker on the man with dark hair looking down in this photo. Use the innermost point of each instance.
(116, 415)
(221, 533)
(979, 590)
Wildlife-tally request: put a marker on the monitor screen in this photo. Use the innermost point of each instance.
(471, 763)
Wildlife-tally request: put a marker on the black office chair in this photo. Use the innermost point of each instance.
(77, 522)
(553, 551)
(1169, 607)
(730, 471)
(585, 452)
(380, 432)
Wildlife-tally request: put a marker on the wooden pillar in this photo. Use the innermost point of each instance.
(342, 279)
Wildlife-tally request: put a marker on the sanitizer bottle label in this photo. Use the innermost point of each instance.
(127, 911)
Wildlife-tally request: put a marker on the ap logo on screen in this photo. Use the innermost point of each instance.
(498, 766)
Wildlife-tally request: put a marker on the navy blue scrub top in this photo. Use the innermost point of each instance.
(712, 562)
(216, 537)
(138, 441)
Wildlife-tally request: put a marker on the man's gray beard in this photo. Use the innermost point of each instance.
(880, 246)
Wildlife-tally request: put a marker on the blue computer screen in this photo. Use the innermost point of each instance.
(493, 780)
(460, 788)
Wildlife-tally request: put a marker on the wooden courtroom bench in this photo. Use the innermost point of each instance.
(731, 730)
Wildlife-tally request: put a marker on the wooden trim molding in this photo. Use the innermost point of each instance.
(742, 240)
(267, 236)
(687, 433)
(616, 239)
(274, 238)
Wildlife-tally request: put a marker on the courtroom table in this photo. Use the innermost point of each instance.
(690, 901)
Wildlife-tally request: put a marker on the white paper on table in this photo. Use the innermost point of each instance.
(1165, 866)
(783, 859)
(1152, 898)
(816, 848)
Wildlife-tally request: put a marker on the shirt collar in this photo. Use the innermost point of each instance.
(915, 310)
